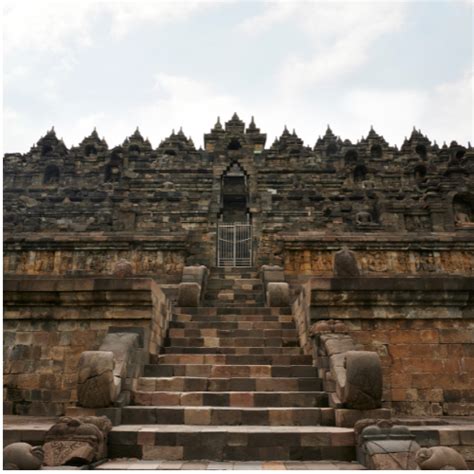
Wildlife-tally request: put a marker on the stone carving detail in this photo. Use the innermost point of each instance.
(440, 457)
(383, 445)
(76, 441)
(123, 268)
(22, 456)
(345, 264)
(363, 217)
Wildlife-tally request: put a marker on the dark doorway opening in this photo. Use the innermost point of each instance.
(234, 200)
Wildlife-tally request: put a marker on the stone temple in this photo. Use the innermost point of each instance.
(239, 306)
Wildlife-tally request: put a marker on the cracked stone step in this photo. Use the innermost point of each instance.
(233, 318)
(235, 311)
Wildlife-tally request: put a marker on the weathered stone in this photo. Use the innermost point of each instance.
(123, 269)
(76, 441)
(363, 388)
(440, 457)
(22, 456)
(345, 264)
(189, 294)
(278, 294)
(96, 387)
(383, 445)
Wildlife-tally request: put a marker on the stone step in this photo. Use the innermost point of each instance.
(219, 443)
(213, 303)
(232, 399)
(233, 342)
(263, 311)
(218, 325)
(227, 370)
(276, 359)
(212, 415)
(215, 283)
(221, 384)
(232, 350)
(231, 333)
(232, 318)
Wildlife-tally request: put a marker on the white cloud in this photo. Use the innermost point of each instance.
(444, 112)
(340, 35)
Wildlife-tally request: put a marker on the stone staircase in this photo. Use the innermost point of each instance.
(231, 384)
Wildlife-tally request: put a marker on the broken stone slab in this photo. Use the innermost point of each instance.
(440, 457)
(22, 456)
(278, 294)
(189, 294)
(345, 264)
(96, 385)
(364, 380)
(76, 441)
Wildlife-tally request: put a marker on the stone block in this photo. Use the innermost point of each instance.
(96, 387)
(278, 294)
(363, 388)
(345, 264)
(189, 294)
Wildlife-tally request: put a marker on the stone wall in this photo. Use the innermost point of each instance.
(92, 254)
(368, 190)
(423, 330)
(384, 254)
(48, 323)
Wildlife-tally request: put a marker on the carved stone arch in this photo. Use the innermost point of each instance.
(234, 144)
(463, 209)
(360, 173)
(51, 174)
(234, 193)
(421, 151)
(331, 149)
(90, 149)
(46, 149)
(376, 151)
(419, 172)
(351, 157)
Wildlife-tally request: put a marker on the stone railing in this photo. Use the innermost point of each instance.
(277, 291)
(422, 328)
(193, 285)
(49, 323)
(351, 376)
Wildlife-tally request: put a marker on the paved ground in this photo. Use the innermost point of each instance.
(225, 466)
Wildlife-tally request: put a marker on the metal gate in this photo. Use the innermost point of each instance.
(234, 245)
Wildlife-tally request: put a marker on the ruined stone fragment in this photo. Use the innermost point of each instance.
(440, 457)
(22, 456)
(76, 441)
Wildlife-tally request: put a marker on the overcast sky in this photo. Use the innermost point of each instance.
(159, 66)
